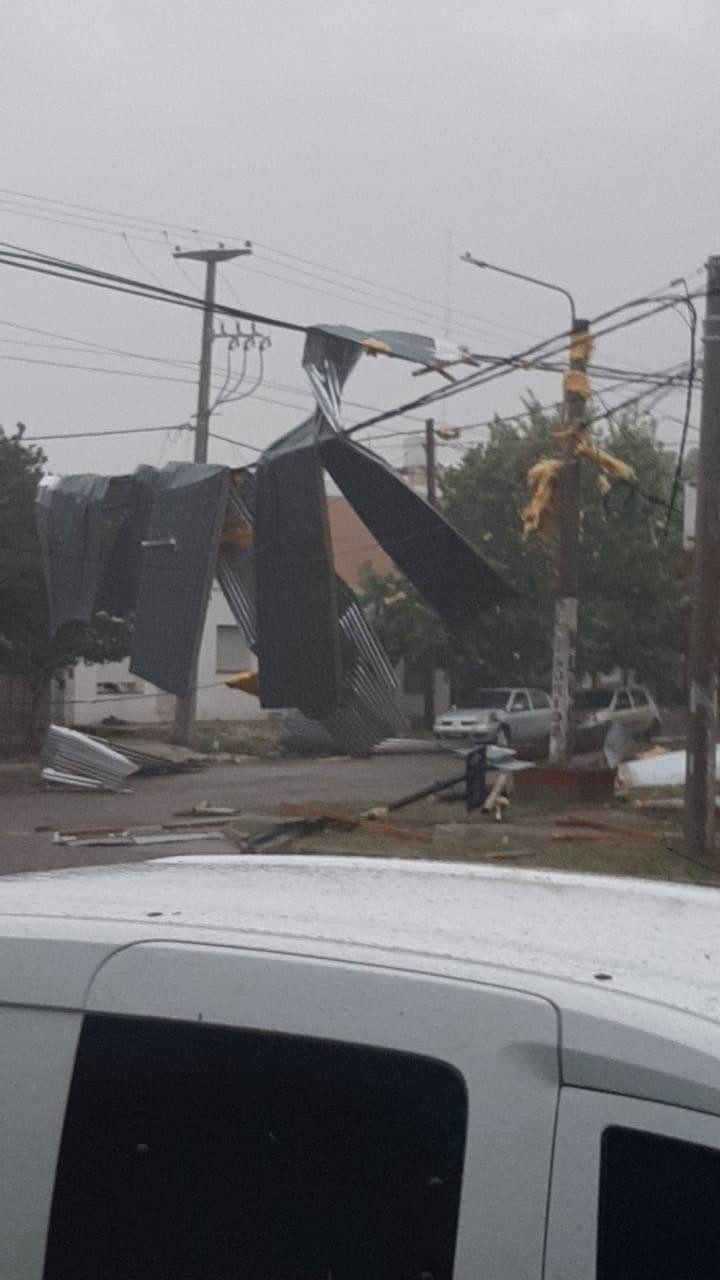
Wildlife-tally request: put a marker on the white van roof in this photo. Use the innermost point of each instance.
(634, 956)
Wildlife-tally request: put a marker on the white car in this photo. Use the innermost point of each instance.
(510, 716)
(325, 1067)
(631, 706)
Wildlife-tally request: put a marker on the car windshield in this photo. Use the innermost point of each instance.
(491, 699)
(593, 699)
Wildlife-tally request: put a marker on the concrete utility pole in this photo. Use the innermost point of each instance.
(699, 836)
(431, 490)
(568, 499)
(430, 471)
(185, 708)
(566, 582)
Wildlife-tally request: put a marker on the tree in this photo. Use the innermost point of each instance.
(26, 646)
(632, 599)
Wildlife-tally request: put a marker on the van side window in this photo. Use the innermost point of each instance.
(640, 697)
(540, 700)
(193, 1151)
(659, 1208)
(622, 700)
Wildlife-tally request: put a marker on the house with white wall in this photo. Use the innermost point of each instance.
(96, 691)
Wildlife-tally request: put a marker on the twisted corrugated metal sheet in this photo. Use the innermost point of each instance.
(367, 712)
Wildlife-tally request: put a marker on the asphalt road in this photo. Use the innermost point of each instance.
(254, 788)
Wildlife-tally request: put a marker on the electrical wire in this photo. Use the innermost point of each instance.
(138, 259)
(692, 320)
(81, 343)
(481, 378)
(113, 431)
(111, 219)
(19, 257)
(44, 264)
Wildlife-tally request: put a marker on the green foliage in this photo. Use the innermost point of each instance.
(26, 646)
(633, 609)
(632, 597)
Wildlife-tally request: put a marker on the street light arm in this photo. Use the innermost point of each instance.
(519, 275)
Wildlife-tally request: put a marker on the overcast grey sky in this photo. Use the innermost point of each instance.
(576, 141)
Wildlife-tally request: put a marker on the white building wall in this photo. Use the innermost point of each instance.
(96, 691)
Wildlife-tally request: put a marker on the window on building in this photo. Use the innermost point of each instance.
(231, 653)
(110, 688)
(192, 1151)
(659, 1208)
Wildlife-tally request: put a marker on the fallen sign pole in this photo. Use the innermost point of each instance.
(699, 832)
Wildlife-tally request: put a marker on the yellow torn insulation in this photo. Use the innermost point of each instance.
(238, 535)
(375, 347)
(245, 681)
(576, 429)
(603, 485)
(577, 384)
(538, 515)
(581, 346)
(606, 461)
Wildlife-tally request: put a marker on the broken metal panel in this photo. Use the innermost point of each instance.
(74, 759)
(418, 348)
(160, 758)
(367, 711)
(90, 530)
(451, 576)
(328, 360)
(357, 629)
(235, 569)
(297, 621)
(177, 571)
(127, 508)
(76, 541)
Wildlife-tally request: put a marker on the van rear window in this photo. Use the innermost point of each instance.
(659, 1208)
(194, 1152)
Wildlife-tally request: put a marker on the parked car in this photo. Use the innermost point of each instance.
(512, 716)
(284, 1067)
(596, 709)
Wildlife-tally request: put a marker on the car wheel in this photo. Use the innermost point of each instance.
(502, 737)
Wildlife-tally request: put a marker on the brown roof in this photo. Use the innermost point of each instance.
(354, 547)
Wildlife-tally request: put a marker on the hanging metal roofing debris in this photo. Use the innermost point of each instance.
(145, 547)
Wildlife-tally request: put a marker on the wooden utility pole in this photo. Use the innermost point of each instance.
(566, 582)
(185, 708)
(431, 490)
(699, 836)
(430, 470)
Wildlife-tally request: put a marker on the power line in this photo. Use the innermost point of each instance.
(113, 431)
(520, 359)
(90, 368)
(305, 392)
(80, 273)
(44, 264)
(110, 218)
